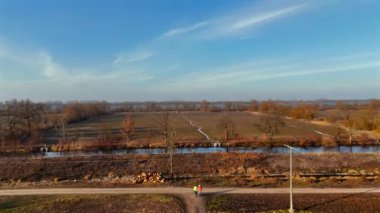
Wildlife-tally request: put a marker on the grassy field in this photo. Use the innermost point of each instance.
(91, 203)
(334, 203)
(246, 127)
(145, 127)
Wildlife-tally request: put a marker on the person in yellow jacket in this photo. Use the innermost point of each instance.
(195, 190)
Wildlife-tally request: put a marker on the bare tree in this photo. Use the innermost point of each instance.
(270, 125)
(2, 134)
(204, 106)
(32, 114)
(166, 124)
(162, 123)
(23, 122)
(348, 121)
(189, 106)
(63, 121)
(228, 106)
(105, 135)
(178, 106)
(171, 148)
(375, 106)
(128, 128)
(254, 105)
(366, 118)
(12, 127)
(227, 125)
(128, 107)
(303, 111)
(150, 106)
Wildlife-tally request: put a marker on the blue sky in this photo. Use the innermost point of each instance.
(189, 50)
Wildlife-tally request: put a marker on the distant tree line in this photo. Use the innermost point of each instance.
(22, 121)
(361, 115)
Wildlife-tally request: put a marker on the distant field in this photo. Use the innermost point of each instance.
(145, 125)
(90, 203)
(246, 126)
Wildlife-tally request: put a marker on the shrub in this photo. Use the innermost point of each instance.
(328, 141)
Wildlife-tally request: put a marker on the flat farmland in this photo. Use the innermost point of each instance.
(146, 127)
(246, 125)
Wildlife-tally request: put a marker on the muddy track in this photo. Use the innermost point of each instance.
(192, 204)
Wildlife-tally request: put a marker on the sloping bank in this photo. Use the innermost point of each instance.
(192, 165)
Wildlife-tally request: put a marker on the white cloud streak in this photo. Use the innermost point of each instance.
(236, 22)
(133, 57)
(51, 69)
(36, 75)
(252, 20)
(237, 75)
(184, 30)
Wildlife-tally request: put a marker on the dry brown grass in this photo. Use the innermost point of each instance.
(302, 202)
(91, 203)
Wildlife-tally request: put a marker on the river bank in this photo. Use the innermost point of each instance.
(215, 169)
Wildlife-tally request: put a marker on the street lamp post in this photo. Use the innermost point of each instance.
(291, 210)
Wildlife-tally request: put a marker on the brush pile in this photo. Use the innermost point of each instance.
(155, 177)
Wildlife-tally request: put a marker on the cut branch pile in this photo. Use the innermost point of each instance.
(155, 177)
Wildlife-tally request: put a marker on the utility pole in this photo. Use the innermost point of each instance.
(291, 210)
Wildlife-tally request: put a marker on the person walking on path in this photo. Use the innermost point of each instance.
(199, 189)
(195, 190)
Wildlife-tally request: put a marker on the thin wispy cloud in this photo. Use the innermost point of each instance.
(350, 67)
(236, 75)
(26, 64)
(221, 50)
(184, 30)
(39, 76)
(44, 68)
(236, 22)
(253, 20)
(51, 69)
(133, 57)
(12, 55)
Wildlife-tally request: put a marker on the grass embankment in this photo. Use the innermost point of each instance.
(334, 203)
(91, 203)
(220, 169)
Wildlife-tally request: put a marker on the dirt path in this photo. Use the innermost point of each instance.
(193, 204)
(180, 190)
(199, 128)
(294, 126)
(312, 130)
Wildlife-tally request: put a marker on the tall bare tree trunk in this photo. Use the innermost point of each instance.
(350, 139)
(171, 163)
(2, 142)
(166, 142)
